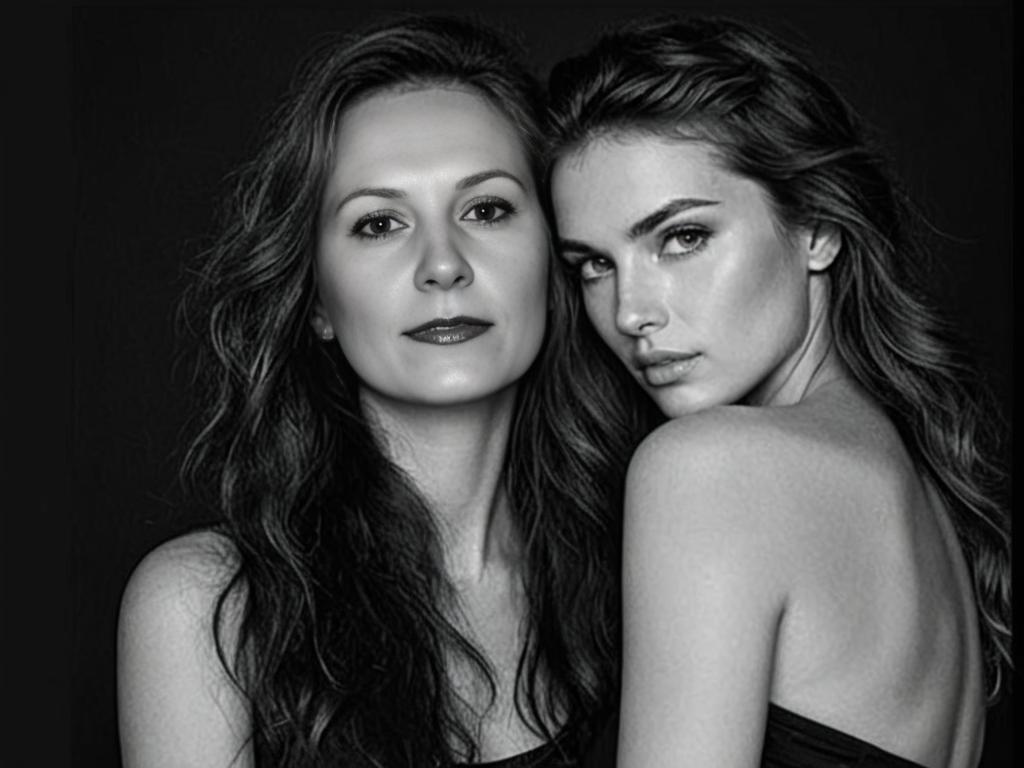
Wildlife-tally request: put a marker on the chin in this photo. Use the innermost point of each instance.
(681, 401)
(453, 388)
(463, 394)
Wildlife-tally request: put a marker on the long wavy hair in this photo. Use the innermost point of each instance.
(770, 118)
(337, 624)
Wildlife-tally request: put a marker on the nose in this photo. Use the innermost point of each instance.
(442, 264)
(640, 307)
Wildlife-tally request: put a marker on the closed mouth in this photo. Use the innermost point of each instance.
(446, 322)
(448, 330)
(646, 360)
(662, 369)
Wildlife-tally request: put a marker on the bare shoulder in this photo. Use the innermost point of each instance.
(201, 560)
(177, 703)
(718, 488)
(766, 477)
(720, 452)
(779, 479)
(710, 440)
(180, 579)
(777, 449)
(704, 569)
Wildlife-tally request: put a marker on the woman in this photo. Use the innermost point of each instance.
(816, 555)
(413, 564)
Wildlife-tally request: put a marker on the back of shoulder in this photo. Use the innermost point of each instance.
(714, 442)
(747, 468)
(772, 463)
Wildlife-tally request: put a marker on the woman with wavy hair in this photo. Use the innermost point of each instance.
(816, 545)
(414, 559)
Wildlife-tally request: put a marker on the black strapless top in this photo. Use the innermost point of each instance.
(544, 756)
(567, 751)
(795, 741)
(790, 741)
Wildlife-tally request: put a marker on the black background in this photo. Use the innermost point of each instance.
(147, 110)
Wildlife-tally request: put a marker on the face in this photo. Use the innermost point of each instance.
(432, 253)
(685, 272)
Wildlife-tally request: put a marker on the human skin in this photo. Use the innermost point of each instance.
(451, 227)
(430, 212)
(794, 555)
(688, 278)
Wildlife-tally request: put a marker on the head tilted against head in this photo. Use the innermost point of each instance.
(728, 110)
(392, 215)
(680, 137)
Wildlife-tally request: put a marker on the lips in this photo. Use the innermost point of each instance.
(662, 369)
(448, 330)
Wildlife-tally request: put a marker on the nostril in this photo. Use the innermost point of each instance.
(443, 268)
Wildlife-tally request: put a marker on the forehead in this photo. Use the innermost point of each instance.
(412, 131)
(615, 180)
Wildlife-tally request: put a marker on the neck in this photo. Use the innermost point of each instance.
(455, 455)
(813, 364)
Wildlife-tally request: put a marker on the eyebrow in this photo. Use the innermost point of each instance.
(479, 178)
(648, 223)
(388, 192)
(396, 194)
(643, 227)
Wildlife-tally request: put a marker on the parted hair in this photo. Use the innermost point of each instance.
(337, 626)
(768, 116)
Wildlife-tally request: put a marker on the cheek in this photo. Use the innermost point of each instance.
(739, 291)
(767, 307)
(534, 282)
(352, 299)
(331, 289)
(779, 288)
(525, 274)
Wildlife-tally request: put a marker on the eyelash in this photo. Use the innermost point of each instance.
(577, 268)
(496, 202)
(362, 222)
(686, 229)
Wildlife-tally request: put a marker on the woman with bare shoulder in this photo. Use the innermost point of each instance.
(414, 557)
(816, 546)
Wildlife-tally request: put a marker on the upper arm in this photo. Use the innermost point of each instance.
(703, 595)
(176, 704)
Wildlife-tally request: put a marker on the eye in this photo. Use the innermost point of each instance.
(594, 268)
(377, 225)
(684, 240)
(488, 210)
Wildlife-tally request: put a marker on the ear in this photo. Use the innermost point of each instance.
(320, 322)
(822, 244)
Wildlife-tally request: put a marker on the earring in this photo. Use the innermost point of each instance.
(326, 333)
